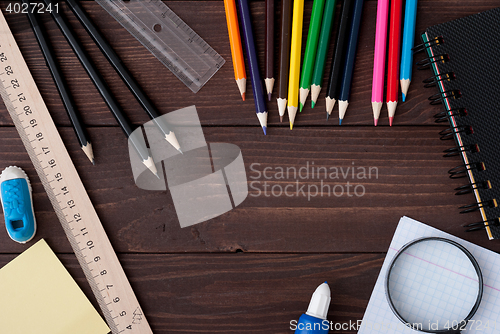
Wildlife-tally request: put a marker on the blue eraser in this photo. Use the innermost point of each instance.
(17, 204)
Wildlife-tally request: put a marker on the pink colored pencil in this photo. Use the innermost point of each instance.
(379, 59)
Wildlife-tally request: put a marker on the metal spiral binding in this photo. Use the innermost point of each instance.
(482, 225)
(469, 188)
(447, 134)
(427, 62)
(444, 116)
(432, 81)
(440, 97)
(461, 170)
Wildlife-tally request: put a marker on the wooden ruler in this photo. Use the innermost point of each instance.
(66, 192)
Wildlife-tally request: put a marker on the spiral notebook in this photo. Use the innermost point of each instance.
(464, 55)
(379, 318)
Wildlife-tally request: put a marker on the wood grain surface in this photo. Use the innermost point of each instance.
(253, 269)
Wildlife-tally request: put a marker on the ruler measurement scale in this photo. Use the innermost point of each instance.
(66, 191)
(168, 38)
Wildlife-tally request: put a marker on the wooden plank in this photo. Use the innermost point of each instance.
(218, 102)
(240, 293)
(412, 180)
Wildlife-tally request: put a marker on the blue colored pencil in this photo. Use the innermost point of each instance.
(408, 40)
(350, 58)
(258, 92)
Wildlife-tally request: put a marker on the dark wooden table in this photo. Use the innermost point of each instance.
(253, 269)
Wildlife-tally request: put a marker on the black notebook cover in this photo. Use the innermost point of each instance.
(470, 49)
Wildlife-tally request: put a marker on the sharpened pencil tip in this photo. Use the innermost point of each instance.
(93, 162)
(269, 96)
(340, 121)
(312, 104)
(404, 97)
(327, 116)
(390, 120)
(264, 128)
(281, 118)
(243, 96)
(179, 149)
(300, 107)
(291, 125)
(375, 121)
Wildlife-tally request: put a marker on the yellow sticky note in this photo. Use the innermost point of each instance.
(38, 296)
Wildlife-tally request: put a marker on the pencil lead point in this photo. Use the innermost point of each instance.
(404, 98)
(340, 121)
(269, 96)
(243, 96)
(327, 116)
(312, 104)
(375, 121)
(179, 149)
(291, 125)
(264, 128)
(281, 118)
(390, 120)
(300, 107)
(93, 162)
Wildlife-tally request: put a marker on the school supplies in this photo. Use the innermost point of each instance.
(233, 30)
(323, 44)
(332, 90)
(258, 93)
(284, 66)
(168, 38)
(408, 42)
(310, 53)
(102, 87)
(379, 59)
(69, 104)
(123, 72)
(295, 50)
(463, 55)
(350, 58)
(17, 204)
(269, 42)
(393, 59)
(65, 190)
(379, 318)
(39, 296)
(314, 320)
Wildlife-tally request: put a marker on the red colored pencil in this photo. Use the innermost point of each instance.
(393, 62)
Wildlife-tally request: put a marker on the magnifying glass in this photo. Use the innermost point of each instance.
(434, 285)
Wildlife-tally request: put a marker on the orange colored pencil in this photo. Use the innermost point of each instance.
(236, 50)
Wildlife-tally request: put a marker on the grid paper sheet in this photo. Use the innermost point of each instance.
(378, 316)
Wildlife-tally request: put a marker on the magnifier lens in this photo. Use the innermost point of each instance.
(433, 285)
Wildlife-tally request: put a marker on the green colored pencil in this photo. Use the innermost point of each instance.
(324, 43)
(310, 54)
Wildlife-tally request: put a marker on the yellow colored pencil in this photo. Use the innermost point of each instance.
(295, 51)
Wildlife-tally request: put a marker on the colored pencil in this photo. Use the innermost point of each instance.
(284, 66)
(406, 50)
(350, 59)
(269, 77)
(233, 30)
(323, 44)
(295, 50)
(393, 61)
(124, 73)
(332, 90)
(379, 58)
(55, 71)
(103, 89)
(310, 53)
(258, 93)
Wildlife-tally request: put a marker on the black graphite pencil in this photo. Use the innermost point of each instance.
(124, 73)
(69, 105)
(101, 86)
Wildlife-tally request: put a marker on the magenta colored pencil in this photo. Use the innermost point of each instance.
(379, 58)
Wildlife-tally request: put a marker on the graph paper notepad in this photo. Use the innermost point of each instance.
(378, 316)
